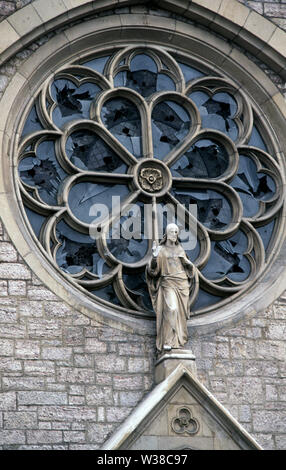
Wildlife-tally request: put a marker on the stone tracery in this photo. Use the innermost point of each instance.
(91, 131)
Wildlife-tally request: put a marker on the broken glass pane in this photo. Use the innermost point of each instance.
(204, 159)
(256, 139)
(88, 151)
(227, 259)
(43, 172)
(78, 251)
(97, 64)
(73, 102)
(122, 119)
(213, 209)
(170, 125)
(84, 198)
(190, 72)
(136, 283)
(32, 123)
(205, 299)
(251, 186)
(217, 112)
(36, 220)
(126, 238)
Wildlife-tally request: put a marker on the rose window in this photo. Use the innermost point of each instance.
(134, 131)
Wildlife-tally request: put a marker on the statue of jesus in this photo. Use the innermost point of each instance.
(170, 278)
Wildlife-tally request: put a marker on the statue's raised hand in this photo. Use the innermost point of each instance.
(155, 249)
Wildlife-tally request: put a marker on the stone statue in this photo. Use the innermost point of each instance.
(170, 277)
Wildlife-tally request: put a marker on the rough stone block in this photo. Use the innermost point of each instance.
(99, 395)
(20, 420)
(42, 398)
(14, 271)
(75, 375)
(27, 349)
(44, 437)
(8, 401)
(109, 363)
(6, 347)
(127, 382)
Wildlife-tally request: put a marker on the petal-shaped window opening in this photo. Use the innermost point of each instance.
(32, 123)
(87, 151)
(78, 251)
(122, 119)
(251, 186)
(227, 259)
(128, 237)
(170, 125)
(204, 159)
(43, 172)
(143, 77)
(217, 112)
(89, 201)
(73, 102)
(213, 209)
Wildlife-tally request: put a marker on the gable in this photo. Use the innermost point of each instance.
(180, 413)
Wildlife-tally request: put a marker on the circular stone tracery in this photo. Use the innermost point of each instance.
(137, 125)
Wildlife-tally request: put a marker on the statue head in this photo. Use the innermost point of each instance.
(172, 234)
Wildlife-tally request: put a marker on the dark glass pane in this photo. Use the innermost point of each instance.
(143, 62)
(251, 186)
(83, 198)
(136, 282)
(96, 64)
(190, 72)
(88, 151)
(170, 125)
(36, 220)
(266, 232)
(73, 102)
(43, 172)
(122, 119)
(227, 259)
(217, 112)
(144, 81)
(213, 210)
(205, 159)
(256, 140)
(107, 293)
(78, 251)
(205, 299)
(32, 123)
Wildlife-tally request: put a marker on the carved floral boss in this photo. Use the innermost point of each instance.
(148, 134)
(151, 179)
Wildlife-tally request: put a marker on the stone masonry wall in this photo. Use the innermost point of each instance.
(67, 382)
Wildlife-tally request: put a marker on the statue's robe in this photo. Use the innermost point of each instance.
(170, 283)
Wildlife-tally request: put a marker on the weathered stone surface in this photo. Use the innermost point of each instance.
(42, 398)
(20, 420)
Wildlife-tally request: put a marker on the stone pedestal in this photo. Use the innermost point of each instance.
(168, 361)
